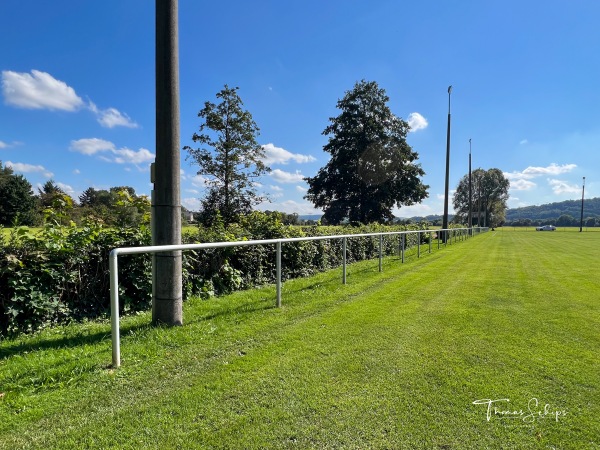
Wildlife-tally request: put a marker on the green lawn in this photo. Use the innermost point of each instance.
(391, 360)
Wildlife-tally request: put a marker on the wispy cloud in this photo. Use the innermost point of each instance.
(522, 185)
(524, 141)
(91, 146)
(29, 168)
(191, 203)
(40, 90)
(112, 117)
(291, 206)
(3, 144)
(124, 155)
(278, 155)
(562, 187)
(286, 177)
(417, 122)
(533, 172)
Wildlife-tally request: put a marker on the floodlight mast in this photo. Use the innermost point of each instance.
(582, 195)
(446, 190)
(167, 302)
(470, 192)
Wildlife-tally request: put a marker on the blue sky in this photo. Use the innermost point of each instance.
(78, 88)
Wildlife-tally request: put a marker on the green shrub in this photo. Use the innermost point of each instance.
(61, 273)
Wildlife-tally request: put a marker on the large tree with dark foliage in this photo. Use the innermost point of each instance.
(489, 196)
(372, 167)
(230, 157)
(17, 202)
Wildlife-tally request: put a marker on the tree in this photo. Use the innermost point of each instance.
(233, 159)
(17, 201)
(371, 168)
(49, 192)
(566, 220)
(489, 197)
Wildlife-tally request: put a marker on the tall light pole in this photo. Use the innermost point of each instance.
(445, 219)
(167, 302)
(582, 194)
(470, 192)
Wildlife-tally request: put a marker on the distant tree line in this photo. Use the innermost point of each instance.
(118, 206)
(564, 220)
(550, 213)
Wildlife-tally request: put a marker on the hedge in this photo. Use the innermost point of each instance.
(60, 274)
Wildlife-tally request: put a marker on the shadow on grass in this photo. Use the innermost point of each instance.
(6, 351)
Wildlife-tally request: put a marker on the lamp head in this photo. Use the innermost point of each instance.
(449, 89)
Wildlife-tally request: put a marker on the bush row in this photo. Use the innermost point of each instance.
(60, 273)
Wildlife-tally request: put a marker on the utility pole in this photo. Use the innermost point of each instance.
(470, 193)
(445, 218)
(166, 205)
(582, 195)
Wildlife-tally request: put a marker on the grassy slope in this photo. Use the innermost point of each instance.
(391, 360)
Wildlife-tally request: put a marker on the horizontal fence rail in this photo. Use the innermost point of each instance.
(444, 237)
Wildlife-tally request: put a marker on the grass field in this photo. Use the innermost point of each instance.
(391, 360)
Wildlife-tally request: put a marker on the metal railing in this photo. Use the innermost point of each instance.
(452, 234)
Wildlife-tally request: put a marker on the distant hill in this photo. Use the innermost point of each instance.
(591, 208)
(314, 217)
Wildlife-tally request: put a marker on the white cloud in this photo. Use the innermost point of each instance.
(441, 197)
(276, 188)
(278, 155)
(522, 185)
(290, 206)
(287, 177)
(417, 121)
(128, 156)
(420, 209)
(38, 90)
(562, 187)
(66, 188)
(524, 141)
(193, 204)
(123, 155)
(12, 144)
(533, 172)
(301, 189)
(199, 181)
(91, 146)
(192, 191)
(76, 171)
(29, 168)
(112, 117)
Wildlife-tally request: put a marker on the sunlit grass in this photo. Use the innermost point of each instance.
(391, 360)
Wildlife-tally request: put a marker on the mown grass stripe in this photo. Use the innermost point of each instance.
(392, 360)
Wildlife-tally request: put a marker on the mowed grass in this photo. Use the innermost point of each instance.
(391, 360)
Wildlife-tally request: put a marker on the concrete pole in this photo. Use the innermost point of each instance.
(166, 271)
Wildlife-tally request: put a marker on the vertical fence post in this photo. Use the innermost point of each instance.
(430, 238)
(278, 269)
(403, 243)
(344, 246)
(438, 238)
(380, 252)
(418, 244)
(114, 308)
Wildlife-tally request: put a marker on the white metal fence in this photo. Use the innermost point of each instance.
(453, 235)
